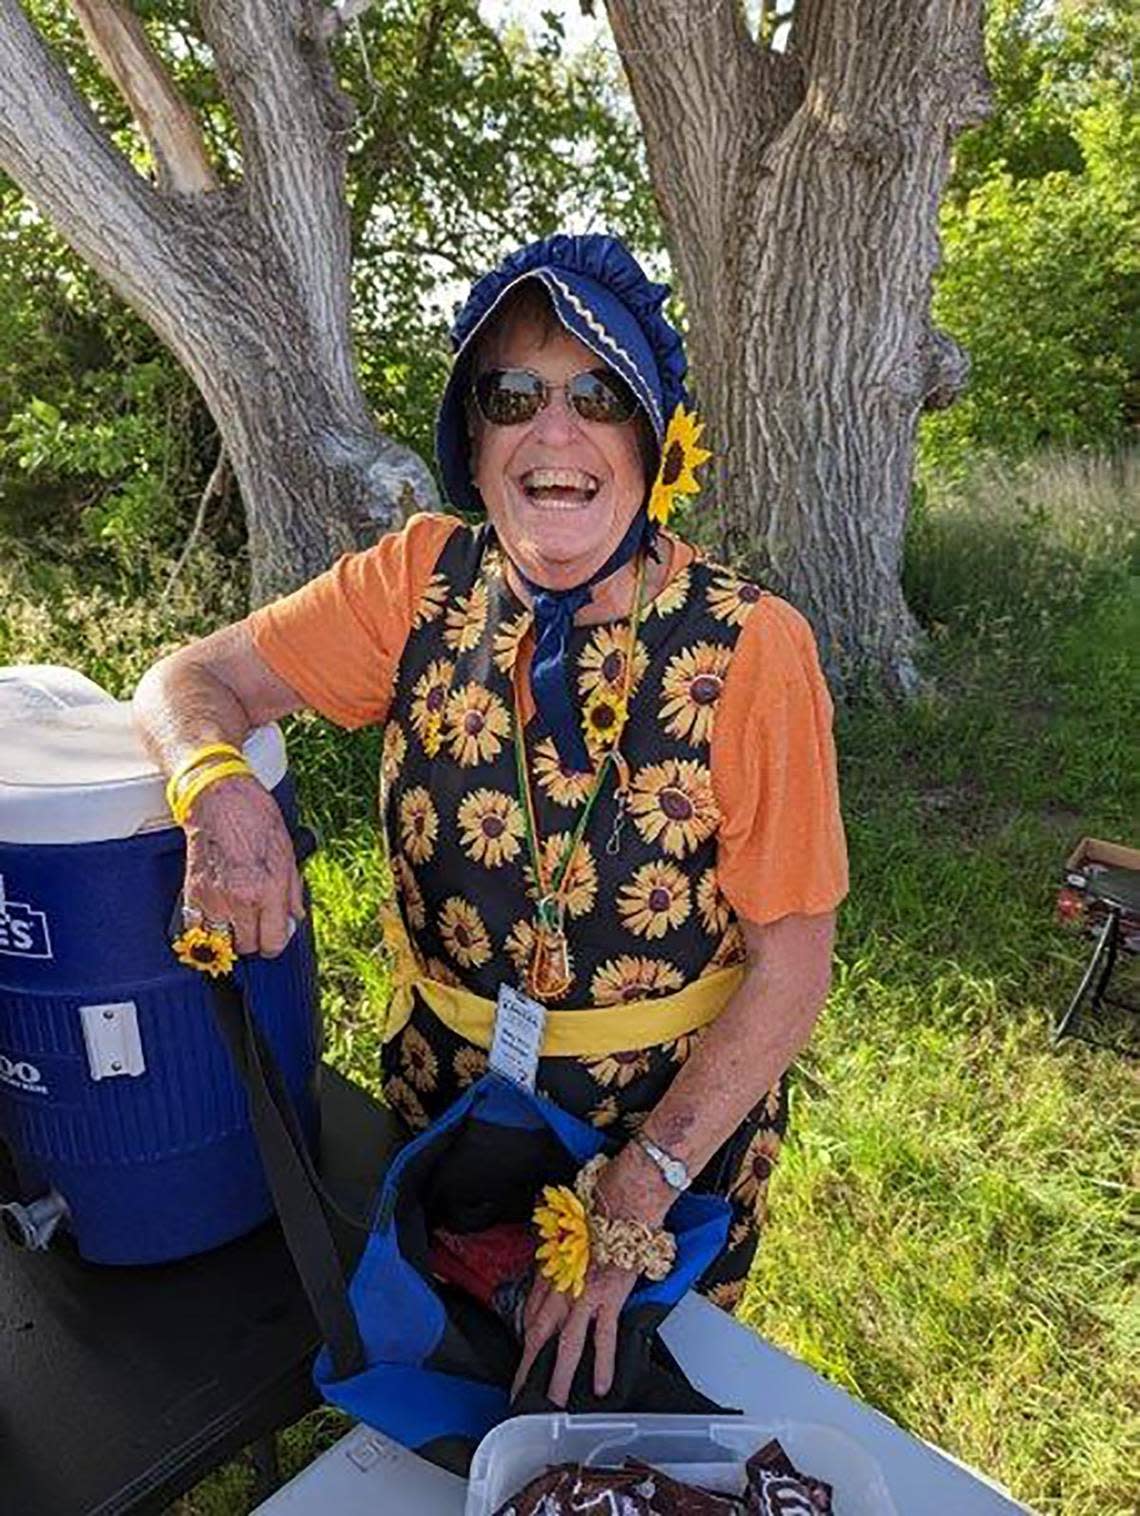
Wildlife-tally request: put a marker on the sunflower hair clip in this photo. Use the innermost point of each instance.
(680, 456)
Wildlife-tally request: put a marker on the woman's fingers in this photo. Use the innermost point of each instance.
(605, 1346)
(570, 1345)
(546, 1322)
(539, 1295)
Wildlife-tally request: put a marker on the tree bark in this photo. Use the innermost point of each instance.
(799, 193)
(248, 285)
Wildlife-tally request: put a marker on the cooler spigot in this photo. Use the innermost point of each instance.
(31, 1226)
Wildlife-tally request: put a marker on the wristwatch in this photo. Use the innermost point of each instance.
(675, 1173)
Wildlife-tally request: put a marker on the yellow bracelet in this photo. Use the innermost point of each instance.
(180, 810)
(199, 755)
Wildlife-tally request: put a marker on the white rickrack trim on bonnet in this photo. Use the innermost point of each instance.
(596, 326)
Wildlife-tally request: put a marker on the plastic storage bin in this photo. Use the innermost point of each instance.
(705, 1450)
(126, 1120)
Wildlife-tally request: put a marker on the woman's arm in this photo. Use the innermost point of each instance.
(742, 1055)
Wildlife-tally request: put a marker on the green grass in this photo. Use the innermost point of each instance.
(955, 1227)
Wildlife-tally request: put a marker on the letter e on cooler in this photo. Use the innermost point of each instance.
(23, 929)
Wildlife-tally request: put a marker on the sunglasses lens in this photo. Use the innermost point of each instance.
(602, 395)
(508, 396)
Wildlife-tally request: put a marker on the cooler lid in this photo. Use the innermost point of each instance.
(73, 770)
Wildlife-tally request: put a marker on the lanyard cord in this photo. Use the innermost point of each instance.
(530, 825)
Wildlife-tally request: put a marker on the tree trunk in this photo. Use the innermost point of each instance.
(800, 198)
(248, 286)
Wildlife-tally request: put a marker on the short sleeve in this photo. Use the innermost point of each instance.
(338, 640)
(780, 845)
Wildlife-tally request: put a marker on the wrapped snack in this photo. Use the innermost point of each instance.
(775, 1487)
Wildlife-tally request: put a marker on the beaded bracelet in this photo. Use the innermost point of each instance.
(620, 1240)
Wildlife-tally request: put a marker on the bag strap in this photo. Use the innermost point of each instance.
(298, 1195)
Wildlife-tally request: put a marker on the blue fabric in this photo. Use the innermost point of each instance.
(601, 296)
(406, 1390)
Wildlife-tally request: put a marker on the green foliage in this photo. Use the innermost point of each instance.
(465, 143)
(1041, 238)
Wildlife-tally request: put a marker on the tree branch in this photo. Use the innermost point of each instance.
(294, 122)
(696, 60)
(55, 149)
(118, 39)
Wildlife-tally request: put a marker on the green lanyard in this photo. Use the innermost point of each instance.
(549, 910)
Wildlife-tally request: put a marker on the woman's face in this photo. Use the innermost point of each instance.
(559, 491)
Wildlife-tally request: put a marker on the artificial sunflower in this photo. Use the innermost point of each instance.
(410, 893)
(756, 1166)
(475, 724)
(672, 804)
(602, 661)
(469, 1064)
(432, 601)
(419, 1063)
(681, 1049)
(563, 785)
(605, 1113)
(731, 600)
(564, 1251)
(714, 909)
(463, 933)
(728, 1294)
(690, 688)
(680, 455)
(401, 1098)
(429, 700)
(442, 973)
(654, 899)
(620, 980)
(604, 715)
(466, 620)
(673, 596)
(393, 752)
(730, 951)
(419, 824)
(579, 886)
(508, 640)
(491, 825)
(519, 945)
(210, 952)
(620, 1069)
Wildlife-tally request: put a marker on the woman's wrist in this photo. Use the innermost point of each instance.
(632, 1185)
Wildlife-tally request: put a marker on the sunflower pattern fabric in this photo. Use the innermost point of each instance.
(643, 912)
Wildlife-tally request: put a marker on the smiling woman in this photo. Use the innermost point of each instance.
(608, 778)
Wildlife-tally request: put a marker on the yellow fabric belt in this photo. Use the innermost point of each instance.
(587, 1033)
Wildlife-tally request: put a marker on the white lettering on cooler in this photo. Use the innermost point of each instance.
(21, 1075)
(23, 930)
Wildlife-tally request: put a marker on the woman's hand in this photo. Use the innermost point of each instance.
(549, 1313)
(240, 865)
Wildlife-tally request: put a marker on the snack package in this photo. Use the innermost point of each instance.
(775, 1487)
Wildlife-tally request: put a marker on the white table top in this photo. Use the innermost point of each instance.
(366, 1473)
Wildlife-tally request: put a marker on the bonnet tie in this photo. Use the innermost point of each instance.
(554, 612)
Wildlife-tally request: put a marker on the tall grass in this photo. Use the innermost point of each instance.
(954, 1230)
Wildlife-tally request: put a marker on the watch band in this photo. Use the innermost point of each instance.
(674, 1172)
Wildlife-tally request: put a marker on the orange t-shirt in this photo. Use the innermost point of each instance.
(780, 845)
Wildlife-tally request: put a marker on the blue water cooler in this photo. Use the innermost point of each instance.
(126, 1121)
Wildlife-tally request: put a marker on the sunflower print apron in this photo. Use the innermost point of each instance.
(644, 914)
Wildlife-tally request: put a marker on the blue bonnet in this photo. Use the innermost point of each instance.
(602, 297)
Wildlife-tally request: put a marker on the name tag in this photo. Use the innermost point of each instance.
(517, 1039)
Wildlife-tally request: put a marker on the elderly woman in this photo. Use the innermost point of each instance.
(608, 777)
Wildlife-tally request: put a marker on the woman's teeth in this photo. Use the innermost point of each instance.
(559, 486)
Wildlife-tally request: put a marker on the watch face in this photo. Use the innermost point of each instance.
(675, 1173)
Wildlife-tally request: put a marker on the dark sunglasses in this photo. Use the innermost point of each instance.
(510, 396)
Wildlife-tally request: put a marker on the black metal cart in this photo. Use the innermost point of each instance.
(1101, 894)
